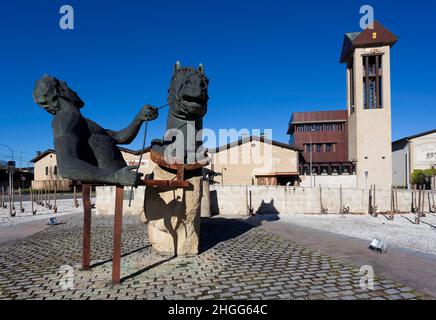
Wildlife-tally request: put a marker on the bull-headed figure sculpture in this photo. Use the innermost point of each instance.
(187, 99)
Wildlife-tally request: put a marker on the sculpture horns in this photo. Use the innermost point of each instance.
(177, 66)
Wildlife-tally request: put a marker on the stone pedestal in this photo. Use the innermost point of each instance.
(173, 216)
(205, 200)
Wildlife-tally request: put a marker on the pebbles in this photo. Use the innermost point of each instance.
(401, 232)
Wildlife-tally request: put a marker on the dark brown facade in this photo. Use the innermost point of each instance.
(326, 132)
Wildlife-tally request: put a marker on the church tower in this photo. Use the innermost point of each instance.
(367, 57)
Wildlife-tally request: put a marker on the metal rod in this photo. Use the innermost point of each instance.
(140, 158)
(118, 224)
(86, 254)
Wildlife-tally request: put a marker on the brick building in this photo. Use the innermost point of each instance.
(323, 137)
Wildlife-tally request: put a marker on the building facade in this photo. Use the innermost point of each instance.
(47, 175)
(367, 57)
(249, 161)
(413, 153)
(323, 137)
(254, 161)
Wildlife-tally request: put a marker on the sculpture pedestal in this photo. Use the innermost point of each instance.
(173, 215)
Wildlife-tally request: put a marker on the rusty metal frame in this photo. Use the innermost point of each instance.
(87, 207)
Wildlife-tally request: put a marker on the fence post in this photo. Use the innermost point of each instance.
(341, 208)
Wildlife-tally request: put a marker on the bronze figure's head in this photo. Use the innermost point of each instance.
(48, 91)
(188, 92)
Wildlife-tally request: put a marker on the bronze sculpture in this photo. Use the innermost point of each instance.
(187, 100)
(173, 212)
(85, 151)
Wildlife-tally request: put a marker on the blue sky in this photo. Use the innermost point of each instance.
(265, 59)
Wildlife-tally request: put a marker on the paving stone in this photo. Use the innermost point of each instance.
(408, 296)
(237, 261)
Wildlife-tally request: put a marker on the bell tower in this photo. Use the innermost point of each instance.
(367, 57)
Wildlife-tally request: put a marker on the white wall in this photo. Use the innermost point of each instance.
(399, 167)
(424, 152)
(235, 200)
(346, 181)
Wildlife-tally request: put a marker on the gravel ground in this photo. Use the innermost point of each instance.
(401, 232)
(65, 207)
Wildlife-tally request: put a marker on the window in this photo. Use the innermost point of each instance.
(318, 147)
(372, 82)
(46, 171)
(55, 170)
(319, 127)
(328, 147)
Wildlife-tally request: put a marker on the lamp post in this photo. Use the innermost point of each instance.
(10, 149)
(11, 167)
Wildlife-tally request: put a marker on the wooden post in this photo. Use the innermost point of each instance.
(396, 199)
(432, 197)
(20, 197)
(413, 198)
(370, 202)
(55, 208)
(86, 258)
(423, 201)
(11, 202)
(418, 214)
(31, 201)
(3, 197)
(48, 198)
(341, 205)
(118, 224)
(320, 199)
(76, 203)
(392, 200)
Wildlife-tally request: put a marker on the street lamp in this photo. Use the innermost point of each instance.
(11, 169)
(10, 149)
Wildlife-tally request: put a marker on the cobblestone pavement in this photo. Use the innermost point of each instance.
(237, 261)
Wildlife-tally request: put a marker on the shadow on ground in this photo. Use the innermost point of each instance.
(216, 230)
